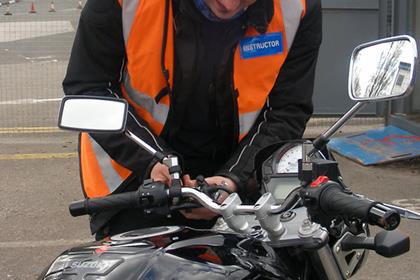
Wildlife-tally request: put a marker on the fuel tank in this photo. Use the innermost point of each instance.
(170, 253)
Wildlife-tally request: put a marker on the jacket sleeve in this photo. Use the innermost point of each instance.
(95, 68)
(289, 105)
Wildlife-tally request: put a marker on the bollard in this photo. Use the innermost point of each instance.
(32, 10)
(52, 7)
(8, 13)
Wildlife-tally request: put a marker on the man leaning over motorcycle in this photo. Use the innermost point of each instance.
(213, 81)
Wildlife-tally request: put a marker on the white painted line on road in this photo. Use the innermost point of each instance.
(42, 243)
(40, 59)
(38, 156)
(14, 130)
(29, 101)
(14, 31)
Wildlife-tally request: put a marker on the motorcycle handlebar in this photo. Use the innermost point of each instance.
(202, 198)
(146, 198)
(108, 203)
(333, 201)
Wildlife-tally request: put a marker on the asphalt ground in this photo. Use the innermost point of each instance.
(42, 7)
(34, 53)
(40, 178)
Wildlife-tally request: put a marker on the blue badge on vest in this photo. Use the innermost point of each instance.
(263, 45)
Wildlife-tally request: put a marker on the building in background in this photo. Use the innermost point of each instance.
(348, 23)
(406, 20)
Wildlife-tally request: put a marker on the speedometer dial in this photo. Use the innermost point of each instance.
(280, 171)
(287, 160)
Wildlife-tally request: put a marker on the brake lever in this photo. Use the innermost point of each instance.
(404, 212)
(185, 206)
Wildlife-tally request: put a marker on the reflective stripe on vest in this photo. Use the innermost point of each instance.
(158, 111)
(295, 12)
(101, 175)
(143, 25)
(246, 121)
(253, 78)
(129, 8)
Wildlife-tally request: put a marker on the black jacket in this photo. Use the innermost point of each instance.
(97, 62)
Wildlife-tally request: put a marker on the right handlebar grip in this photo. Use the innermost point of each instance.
(113, 202)
(334, 201)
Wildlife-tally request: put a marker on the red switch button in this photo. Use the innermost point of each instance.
(320, 180)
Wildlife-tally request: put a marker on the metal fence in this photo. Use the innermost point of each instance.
(35, 42)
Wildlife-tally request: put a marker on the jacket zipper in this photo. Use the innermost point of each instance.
(167, 89)
(234, 94)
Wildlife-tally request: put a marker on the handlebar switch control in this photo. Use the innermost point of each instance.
(320, 180)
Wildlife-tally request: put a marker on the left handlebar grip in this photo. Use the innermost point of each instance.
(112, 202)
(78, 208)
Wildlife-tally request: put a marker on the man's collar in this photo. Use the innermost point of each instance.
(260, 14)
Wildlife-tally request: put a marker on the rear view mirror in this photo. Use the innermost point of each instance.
(93, 114)
(383, 69)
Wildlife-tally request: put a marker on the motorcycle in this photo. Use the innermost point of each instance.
(307, 224)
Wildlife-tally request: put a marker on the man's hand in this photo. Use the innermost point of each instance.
(222, 181)
(203, 213)
(160, 172)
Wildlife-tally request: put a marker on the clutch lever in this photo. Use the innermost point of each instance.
(212, 191)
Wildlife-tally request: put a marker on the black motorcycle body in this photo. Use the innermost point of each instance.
(173, 253)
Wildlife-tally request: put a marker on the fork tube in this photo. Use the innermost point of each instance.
(332, 272)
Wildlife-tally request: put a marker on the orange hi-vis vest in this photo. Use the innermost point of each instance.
(149, 43)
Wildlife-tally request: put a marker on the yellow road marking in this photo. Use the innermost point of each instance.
(10, 130)
(37, 156)
(42, 243)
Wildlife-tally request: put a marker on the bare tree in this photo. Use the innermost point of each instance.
(387, 65)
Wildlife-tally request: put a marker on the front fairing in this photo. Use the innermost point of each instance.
(171, 253)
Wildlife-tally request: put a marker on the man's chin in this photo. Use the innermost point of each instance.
(224, 16)
(222, 12)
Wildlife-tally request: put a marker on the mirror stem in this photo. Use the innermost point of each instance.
(322, 140)
(170, 161)
(160, 156)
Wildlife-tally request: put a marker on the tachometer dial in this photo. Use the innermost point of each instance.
(286, 161)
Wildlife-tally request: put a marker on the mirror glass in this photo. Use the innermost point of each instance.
(382, 71)
(93, 114)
